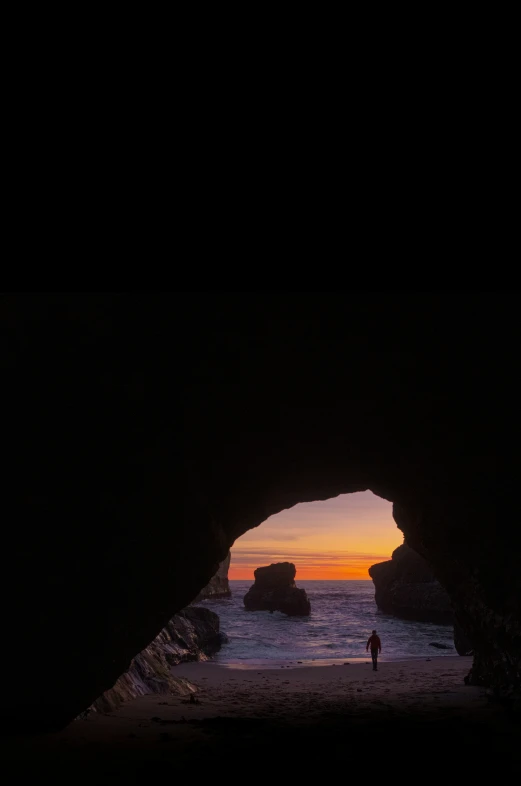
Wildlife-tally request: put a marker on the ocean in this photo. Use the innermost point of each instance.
(343, 614)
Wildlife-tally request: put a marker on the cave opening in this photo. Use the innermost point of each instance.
(344, 570)
(334, 544)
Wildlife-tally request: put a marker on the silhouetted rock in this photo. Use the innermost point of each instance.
(406, 587)
(275, 590)
(218, 586)
(192, 634)
(461, 641)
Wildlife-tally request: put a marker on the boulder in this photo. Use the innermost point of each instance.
(275, 590)
(405, 586)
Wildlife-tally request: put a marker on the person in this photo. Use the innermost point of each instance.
(376, 646)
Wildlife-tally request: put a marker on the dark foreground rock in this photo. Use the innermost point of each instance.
(145, 433)
(275, 590)
(192, 634)
(461, 642)
(218, 586)
(406, 587)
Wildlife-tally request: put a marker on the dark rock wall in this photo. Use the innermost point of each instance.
(461, 642)
(193, 634)
(218, 586)
(142, 434)
(482, 584)
(406, 587)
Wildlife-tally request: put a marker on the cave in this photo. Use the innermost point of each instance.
(144, 433)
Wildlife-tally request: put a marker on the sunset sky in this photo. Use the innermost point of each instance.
(336, 539)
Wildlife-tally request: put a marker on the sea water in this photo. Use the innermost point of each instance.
(343, 615)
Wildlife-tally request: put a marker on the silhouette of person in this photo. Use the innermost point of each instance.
(376, 646)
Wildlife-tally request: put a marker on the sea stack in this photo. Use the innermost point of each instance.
(406, 587)
(275, 590)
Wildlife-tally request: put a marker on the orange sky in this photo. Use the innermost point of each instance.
(336, 539)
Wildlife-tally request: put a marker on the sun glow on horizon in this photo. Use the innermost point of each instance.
(339, 538)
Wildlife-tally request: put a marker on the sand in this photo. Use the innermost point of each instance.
(294, 719)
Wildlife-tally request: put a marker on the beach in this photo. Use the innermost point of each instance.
(309, 690)
(290, 717)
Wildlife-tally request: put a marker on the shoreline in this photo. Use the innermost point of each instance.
(273, 663)
(401, 677)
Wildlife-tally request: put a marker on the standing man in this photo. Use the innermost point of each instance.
(376, 646)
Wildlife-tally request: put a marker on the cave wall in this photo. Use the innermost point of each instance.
(218, 586)
(144, 433)
(193, 634)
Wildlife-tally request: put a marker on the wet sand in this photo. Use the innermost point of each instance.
(304, 720)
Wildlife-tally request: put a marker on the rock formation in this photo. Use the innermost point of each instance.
(406, 587)
(218, 586)
(144, 433)
(461, 642)
(275, 590)
(193, 634)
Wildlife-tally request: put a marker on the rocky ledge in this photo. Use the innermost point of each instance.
(405, 586)
(275, 590)
(192, 634)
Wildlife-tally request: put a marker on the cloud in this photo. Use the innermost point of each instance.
(346, 507)
(248, 556)
(282, 536)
